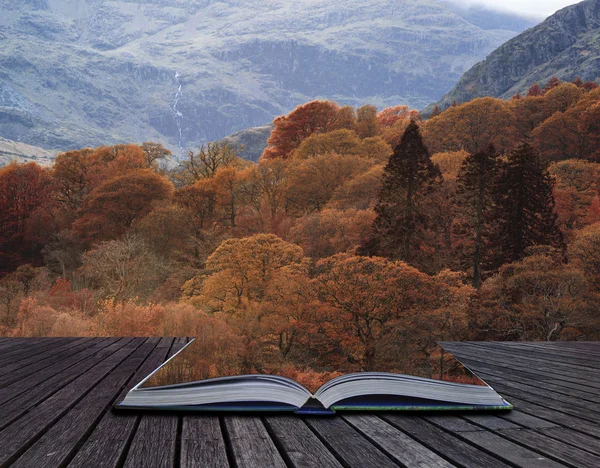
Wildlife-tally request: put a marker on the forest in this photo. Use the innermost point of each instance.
(360, 239)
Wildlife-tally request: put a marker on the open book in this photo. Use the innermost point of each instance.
(176, 386)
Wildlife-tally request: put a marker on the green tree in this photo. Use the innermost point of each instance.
(524, 207)
(401, 217)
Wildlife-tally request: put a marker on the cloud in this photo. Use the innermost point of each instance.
(529, 7)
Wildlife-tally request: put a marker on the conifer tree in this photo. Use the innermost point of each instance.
(401, 219)
(475, 181)
(524, 207)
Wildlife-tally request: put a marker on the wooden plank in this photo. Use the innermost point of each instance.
(15, 407)
(402, 448)
(505, 449)
(300, 446)
(577, 439)
(154, 441)
(526, 420)
(557, 417)
(250, 443)
(202, 444)
(60, 442)
(20, 355)
(541, 353)
(540, 381)
(43, 375)
(20, 370)
(17, 437)
(561, 404)
(110, 439)
(491, 372)
(490, 421)
(347, 444)
(14, 343)
(443, 443)
(564, 453)
(577, 373)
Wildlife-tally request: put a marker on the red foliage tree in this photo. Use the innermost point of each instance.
(24, 190)
(291, 130)
(110, 209)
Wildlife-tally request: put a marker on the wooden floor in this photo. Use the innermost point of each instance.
(56, 396)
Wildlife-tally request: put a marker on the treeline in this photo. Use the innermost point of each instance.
(359, 239)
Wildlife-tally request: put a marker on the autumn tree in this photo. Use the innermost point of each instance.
(229, 185)
(524, 207)
(577, 186)
(585, 252)
(292, 129)
(400, 222)
(360, 192)
(368, 304)
(154, 153)
(265, 191)
(123, 269)
(238, 279)
(537, 298)
(25, 192)
(367, 125)
(574, 133)
(200, 199)
(110, 209)
(312, 182)
(475, 181)
(470, 127)
(205, 163)
(331, 231)
(535, 90)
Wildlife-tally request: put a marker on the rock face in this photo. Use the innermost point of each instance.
(567, 45)
(181, 72)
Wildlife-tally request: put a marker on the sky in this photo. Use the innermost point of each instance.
(530, 7)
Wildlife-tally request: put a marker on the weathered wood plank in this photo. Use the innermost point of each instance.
(551, 447)
(503, 448)
(60, 442)
(449, 446)
(297, 441)
(21, 370)
(576, 373)
(250, 443)
(154, 441)
(395, 443)
(26, 354)
(110, 439)
(17, 437)
(349, 446)
(202, 444)
(51, 371)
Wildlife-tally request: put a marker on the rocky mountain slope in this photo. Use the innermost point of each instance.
(567, 45)
(20, 152)
(87, 72)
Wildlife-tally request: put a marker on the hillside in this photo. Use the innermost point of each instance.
(566, 45)
(181, 72)
(22, 153)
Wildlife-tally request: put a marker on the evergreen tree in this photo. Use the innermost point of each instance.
(524, 207)
(401, 220)
(475, 181)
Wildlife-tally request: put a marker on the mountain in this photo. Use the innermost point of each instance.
(181, 72)
(566, 45)
(251, 141)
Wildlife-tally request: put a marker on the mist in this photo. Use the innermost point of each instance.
(534, 8)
